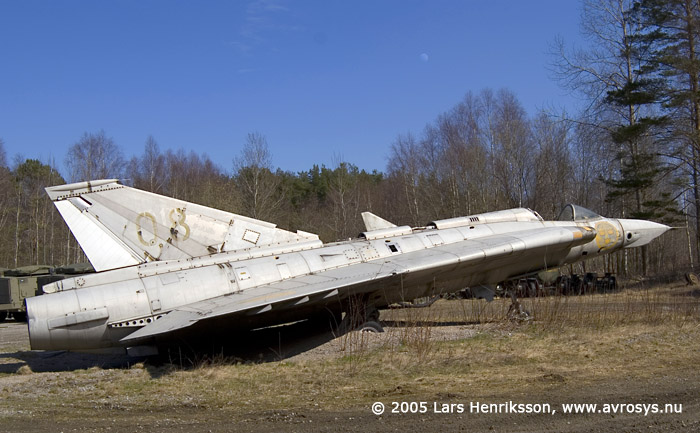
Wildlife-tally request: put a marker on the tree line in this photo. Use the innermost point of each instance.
(633, 152)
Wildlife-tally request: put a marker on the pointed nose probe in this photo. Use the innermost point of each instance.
(639, 232)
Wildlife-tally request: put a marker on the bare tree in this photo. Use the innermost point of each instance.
(476, 157)
(554, 168)
(94, 156)
(257, 184)
(149, 172)
(465, 156)
(343, 197)
(512, 148)
(5, 187)
(404, 164)
(594, 158)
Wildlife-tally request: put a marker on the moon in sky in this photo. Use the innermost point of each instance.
(424, 57)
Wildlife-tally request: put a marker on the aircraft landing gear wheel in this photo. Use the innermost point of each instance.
(3, 316)
(371, 326)
(360, 316)
(20, 316)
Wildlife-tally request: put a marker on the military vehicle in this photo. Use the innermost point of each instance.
(18, 284)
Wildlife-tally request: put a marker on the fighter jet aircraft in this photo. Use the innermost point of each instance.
(166, 266)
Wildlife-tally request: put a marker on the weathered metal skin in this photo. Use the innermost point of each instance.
(279, 276)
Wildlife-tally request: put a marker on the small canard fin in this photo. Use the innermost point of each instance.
(373, 222)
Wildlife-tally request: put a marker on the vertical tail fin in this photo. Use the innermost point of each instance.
(119, 226)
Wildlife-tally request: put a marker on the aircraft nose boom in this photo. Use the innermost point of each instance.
(639, 232)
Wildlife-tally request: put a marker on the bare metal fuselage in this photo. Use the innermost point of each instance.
(288, 281)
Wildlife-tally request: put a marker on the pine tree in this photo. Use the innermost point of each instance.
(674, 26)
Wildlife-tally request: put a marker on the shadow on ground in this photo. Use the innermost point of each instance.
(270, 344)
(263, 345)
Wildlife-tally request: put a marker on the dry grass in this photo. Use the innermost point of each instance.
(668, 304)
(572, 341)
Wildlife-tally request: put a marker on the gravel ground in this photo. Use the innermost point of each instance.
(673, 385)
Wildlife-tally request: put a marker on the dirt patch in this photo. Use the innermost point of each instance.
(15, 354)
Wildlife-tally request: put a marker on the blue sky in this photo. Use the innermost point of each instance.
(320, 79)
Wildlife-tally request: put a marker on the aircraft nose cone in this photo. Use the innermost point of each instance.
(640, 232)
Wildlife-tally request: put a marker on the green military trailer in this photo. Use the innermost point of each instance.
(18, 284)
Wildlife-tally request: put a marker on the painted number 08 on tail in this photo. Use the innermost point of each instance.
(409, 407)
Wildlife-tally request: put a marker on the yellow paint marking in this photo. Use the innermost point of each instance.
(607, 236)
(271, 296)
(139, 233)
(178, 221)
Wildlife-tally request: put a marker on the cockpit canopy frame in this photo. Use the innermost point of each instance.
(572, 212)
